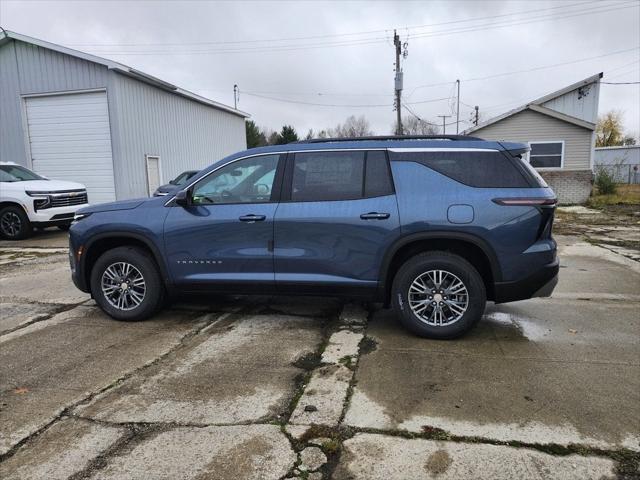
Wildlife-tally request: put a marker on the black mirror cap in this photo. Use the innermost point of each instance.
(182, 198)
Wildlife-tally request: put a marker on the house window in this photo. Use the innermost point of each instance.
(546, 154)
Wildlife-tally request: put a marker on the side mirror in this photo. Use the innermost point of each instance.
(182, 198)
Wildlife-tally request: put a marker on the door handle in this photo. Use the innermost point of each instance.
(252, 218)
(374, 216)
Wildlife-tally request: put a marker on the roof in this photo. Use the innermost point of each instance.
(6, 36)
(536, 106)
(618, 147)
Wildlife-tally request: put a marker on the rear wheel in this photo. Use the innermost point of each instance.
(126, 284)
(438, 295)
(14, 223)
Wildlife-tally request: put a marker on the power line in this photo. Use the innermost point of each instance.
(543, 67)
(366, 41)
(285, 100)
(620, 83)
(335, 35)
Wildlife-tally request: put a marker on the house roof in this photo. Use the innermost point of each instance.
(536, 106)
(6, 36)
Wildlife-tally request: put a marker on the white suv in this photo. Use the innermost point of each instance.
(28, 200)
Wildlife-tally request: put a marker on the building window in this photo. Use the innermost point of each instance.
(547, 154)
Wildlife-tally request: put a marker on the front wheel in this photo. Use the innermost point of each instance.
(14, 223)
(126, 284)
(438, 295)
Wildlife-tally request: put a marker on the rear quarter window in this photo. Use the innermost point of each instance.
(475, 169)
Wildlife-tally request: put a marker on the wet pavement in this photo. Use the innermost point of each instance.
(268, 388)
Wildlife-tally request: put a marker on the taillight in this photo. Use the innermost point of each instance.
(527, 202)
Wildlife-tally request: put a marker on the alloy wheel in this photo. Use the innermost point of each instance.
(438, 298)
(10, 224)
(123, 286)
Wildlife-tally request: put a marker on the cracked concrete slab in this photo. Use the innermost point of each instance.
(234, 372)
(343, 343)
(224, 453)
(53, 364)
(506, 387)
(371, 457)
(64, 449)
(323, 398)
(14, 315)
(48, 282)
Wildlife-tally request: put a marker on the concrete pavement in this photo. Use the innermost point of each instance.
(308, 388)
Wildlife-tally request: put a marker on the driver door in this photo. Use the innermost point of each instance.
(223, 239)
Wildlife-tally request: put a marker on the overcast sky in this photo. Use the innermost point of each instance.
(341, 53)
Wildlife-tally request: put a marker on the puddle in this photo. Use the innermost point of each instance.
(525, 327)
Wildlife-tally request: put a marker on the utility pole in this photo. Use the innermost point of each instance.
(458, 109)
(475, 120)
(444, 125)
(400, 50)
(235, 96)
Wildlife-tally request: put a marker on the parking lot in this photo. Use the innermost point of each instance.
(268, 388)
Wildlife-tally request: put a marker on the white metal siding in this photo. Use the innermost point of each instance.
(187, 135)
(70, 140)
(528, 126)
(581, 103)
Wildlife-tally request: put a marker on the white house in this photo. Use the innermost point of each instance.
(560, 128)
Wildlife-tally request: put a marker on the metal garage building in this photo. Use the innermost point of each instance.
(73, 116)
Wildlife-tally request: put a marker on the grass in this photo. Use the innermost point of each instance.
(625, 195)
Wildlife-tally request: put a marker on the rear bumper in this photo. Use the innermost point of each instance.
(539, 284)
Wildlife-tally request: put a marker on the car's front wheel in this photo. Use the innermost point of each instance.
(14, 223)
(126, 284)
(438, 295)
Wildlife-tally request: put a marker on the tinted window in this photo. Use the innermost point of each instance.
(546, 155)
(327, 176)
(476, 169)
(377, 175)
(15, 173)
(245, 181)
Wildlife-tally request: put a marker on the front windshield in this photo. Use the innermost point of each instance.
(15, 173)
(183, 177)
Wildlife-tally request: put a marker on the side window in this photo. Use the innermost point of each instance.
(326, 176)
(546, 154)
(377, 175)
(475, 169)
(245, 181)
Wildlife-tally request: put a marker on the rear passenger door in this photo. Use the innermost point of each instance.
(337, 216)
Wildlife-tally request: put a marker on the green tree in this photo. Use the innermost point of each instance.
(287, 135)
(255, 137)
(609, 130)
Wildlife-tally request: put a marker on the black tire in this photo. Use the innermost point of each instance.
(14, 223)
(65, 228)
(145, 265)
(454, 265)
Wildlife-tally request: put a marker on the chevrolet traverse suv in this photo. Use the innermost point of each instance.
(434, 227)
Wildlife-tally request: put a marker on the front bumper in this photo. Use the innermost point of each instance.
(50, 217)
(539, 284)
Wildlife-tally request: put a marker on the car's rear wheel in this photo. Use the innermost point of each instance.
(126, 284)
(14, 223)
(438, 295)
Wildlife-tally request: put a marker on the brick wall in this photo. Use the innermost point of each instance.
(571, 186)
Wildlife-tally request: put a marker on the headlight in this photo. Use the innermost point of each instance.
(79, 216)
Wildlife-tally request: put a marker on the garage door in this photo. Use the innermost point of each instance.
(71, 140)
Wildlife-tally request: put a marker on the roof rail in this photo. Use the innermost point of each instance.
(390, 137)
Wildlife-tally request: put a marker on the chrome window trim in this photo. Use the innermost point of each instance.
(271, 153)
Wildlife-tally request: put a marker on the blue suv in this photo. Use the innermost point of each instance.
(434, 227)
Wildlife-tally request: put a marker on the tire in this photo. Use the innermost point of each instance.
(110, 271)
(65, 228)
(416, 310)
(14, 223)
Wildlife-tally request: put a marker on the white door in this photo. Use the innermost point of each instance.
(70, 139)
(153, 173)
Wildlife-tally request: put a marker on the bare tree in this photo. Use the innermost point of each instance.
(352, 127)
(416, 126)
